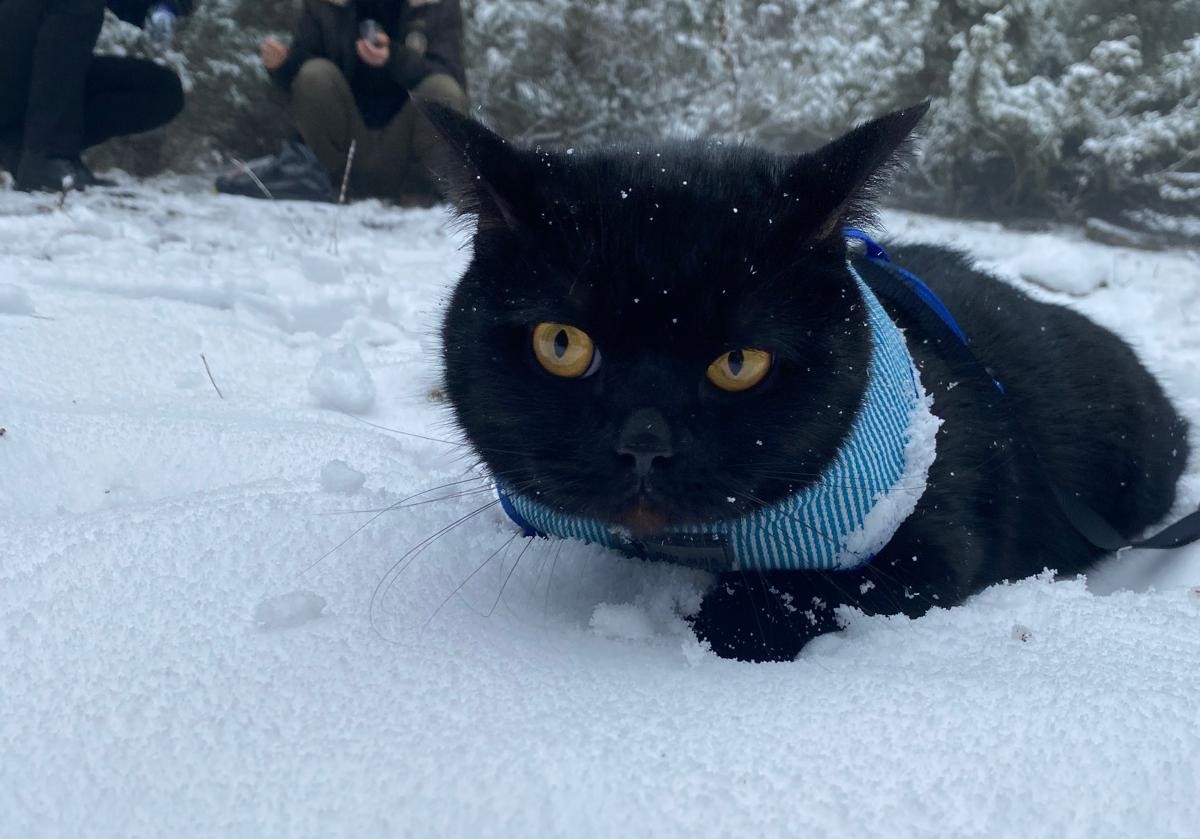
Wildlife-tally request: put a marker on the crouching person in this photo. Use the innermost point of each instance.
(352, 69)
(57, 99)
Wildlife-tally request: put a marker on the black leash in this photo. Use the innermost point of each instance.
(902, 288)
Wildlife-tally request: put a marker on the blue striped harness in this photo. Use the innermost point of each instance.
(840, 522)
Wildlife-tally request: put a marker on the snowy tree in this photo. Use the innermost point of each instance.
(1068, 109)
(1097, 119)
(1064, 108)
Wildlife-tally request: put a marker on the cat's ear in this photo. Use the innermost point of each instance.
(837, 184)
(481, 173)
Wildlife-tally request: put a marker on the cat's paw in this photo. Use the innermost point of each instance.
(755, 617)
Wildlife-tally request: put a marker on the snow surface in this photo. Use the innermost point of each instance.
(341, 382)
(14, 301)
(337, 476)
(198, 636)
(286, 610)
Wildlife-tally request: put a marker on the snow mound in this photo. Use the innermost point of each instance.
(341, 382)
(14, 300)
(624, 621)
(337, 476)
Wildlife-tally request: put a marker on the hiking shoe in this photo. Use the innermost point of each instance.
(294, 174)
(37, 173)
(85, 177)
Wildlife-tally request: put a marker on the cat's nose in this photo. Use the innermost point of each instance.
(645, 438)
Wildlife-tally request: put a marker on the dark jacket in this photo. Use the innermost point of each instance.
(428, 40)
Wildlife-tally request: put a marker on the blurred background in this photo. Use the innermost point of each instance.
(1084, 111)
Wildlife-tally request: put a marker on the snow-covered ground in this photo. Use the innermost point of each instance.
(204, 628)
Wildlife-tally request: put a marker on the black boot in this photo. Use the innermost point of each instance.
(38, 173)
(85, 177)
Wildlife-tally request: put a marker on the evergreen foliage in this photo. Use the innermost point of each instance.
(1063, 108)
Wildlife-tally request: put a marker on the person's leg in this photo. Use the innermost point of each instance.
(324, 111)
(19, 22)
(45, 51)
(436, 88)
(10, 152)
(61, 56)
(128, 96)
(399, 165)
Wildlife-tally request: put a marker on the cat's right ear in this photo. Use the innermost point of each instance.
(837, 185)
(481, 173)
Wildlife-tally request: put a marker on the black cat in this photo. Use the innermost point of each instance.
(652, 347)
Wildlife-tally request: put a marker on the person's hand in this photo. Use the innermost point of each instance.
(273, 52)
(375, 56)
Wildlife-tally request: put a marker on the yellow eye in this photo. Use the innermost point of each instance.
(564, 350)
(739, 370)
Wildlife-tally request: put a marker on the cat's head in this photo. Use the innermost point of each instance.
(663, 335)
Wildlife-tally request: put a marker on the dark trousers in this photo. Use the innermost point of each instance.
(389, 162)
(56, 99)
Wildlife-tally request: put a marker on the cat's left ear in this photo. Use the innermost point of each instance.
(837, 184)
(483, 175)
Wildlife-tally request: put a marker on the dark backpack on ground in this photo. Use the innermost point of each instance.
(294, 174)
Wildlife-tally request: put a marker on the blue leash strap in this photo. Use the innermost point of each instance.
(913, 284)
(879, 256)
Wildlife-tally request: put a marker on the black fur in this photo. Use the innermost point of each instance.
(668, 257)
